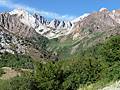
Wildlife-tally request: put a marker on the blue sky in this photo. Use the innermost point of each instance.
(62, 9)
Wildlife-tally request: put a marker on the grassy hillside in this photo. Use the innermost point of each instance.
(66, 46)
(98, 65)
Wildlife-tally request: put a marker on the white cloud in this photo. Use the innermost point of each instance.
(11, 5)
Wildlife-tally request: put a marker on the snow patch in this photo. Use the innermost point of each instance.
(80, 18)
(24, 17)
(103, 9)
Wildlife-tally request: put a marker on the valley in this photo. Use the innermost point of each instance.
(41, 54)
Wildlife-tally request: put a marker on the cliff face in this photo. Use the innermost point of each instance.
(10, 43)
(12, 23)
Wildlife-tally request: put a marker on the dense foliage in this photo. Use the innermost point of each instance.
(15, 60)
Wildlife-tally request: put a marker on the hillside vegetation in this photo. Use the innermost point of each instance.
(99, 64)
(95, 66)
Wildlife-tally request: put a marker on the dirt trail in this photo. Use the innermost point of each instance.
(9, 73)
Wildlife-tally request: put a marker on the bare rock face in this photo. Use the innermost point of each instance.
(13, 44)
(54, 23)
(115, 15)
(41, 19)
(12, 23)
(10, 43)
(16, 37)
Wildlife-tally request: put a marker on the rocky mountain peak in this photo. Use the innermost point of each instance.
(56, 28)
(24, 16)
(14, 25)
(116, 12)
(19, 12)
(41, 19)
(43, 26)
(103, 10)
(54, 23)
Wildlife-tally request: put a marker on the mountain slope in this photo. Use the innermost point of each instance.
(93, 29)
(68, 37)
(20, 38)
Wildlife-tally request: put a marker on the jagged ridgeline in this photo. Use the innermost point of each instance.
(61, 38)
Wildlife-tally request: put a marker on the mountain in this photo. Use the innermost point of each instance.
(50, 29)
(89, 31)
(57, 28)
(82, 32)
(96, 22)
(54, 54)
(13, 24)
(80, 18)
(17, 37)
